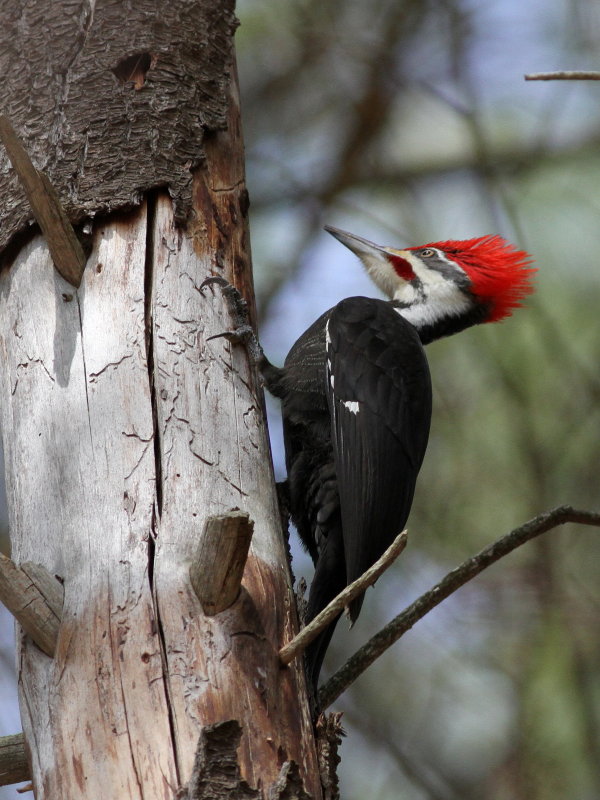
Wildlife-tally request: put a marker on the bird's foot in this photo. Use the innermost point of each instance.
(242, 332)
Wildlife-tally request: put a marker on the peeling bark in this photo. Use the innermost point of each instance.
(329, 738)
(216, 773)
(289, 784)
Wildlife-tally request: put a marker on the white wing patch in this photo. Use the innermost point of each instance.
(327, 346)
(353, 406)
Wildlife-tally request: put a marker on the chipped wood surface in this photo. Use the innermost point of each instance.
(329, 738)
(216, 772)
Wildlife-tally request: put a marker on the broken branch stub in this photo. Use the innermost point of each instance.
(34, 598)
(218, 565)
(14, 766)
(65, 249)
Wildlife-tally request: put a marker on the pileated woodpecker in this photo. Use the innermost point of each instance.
(356, 398)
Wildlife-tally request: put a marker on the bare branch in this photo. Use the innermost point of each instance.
(382, 640)
(14, 766)
(35, 599)
(344, 598)
(65, 249)
(218, 565)
(563, 75)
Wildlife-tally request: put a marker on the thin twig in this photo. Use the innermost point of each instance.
(382, 640)
(563, 75)
(344, 598)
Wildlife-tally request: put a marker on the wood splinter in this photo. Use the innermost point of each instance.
(339, 603)
(65, 248)
(34, 598)
(218, 564)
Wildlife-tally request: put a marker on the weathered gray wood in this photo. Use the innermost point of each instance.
(14, 766)
(35, 599)
(76, 418)
(218, 565)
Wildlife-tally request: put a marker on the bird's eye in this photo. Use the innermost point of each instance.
(427, 252)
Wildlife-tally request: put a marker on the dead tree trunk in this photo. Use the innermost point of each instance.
(125, 429)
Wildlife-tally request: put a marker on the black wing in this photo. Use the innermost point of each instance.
(379, 393)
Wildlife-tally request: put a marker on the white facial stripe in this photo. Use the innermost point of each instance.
(438, 296)
(427, 275)
(448, 302)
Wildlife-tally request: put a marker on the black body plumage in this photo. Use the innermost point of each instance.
(356, 397)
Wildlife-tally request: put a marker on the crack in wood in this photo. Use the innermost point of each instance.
(93, 375)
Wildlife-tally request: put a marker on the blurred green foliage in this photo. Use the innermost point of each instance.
(408, 122)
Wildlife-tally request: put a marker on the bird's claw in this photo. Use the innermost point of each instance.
(238, 307)
(242, 332)
(214, 279)
(239, 335)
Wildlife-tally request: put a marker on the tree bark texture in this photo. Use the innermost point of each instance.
(111, 99)
(124, 429)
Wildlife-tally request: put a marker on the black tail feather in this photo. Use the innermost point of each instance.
(329, 580)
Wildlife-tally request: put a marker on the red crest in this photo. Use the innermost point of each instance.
(500, 274)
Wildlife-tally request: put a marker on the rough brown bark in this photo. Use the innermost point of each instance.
(125, 429)
(111, 99)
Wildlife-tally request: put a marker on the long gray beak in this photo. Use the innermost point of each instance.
(377, 260)
(362, 247)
